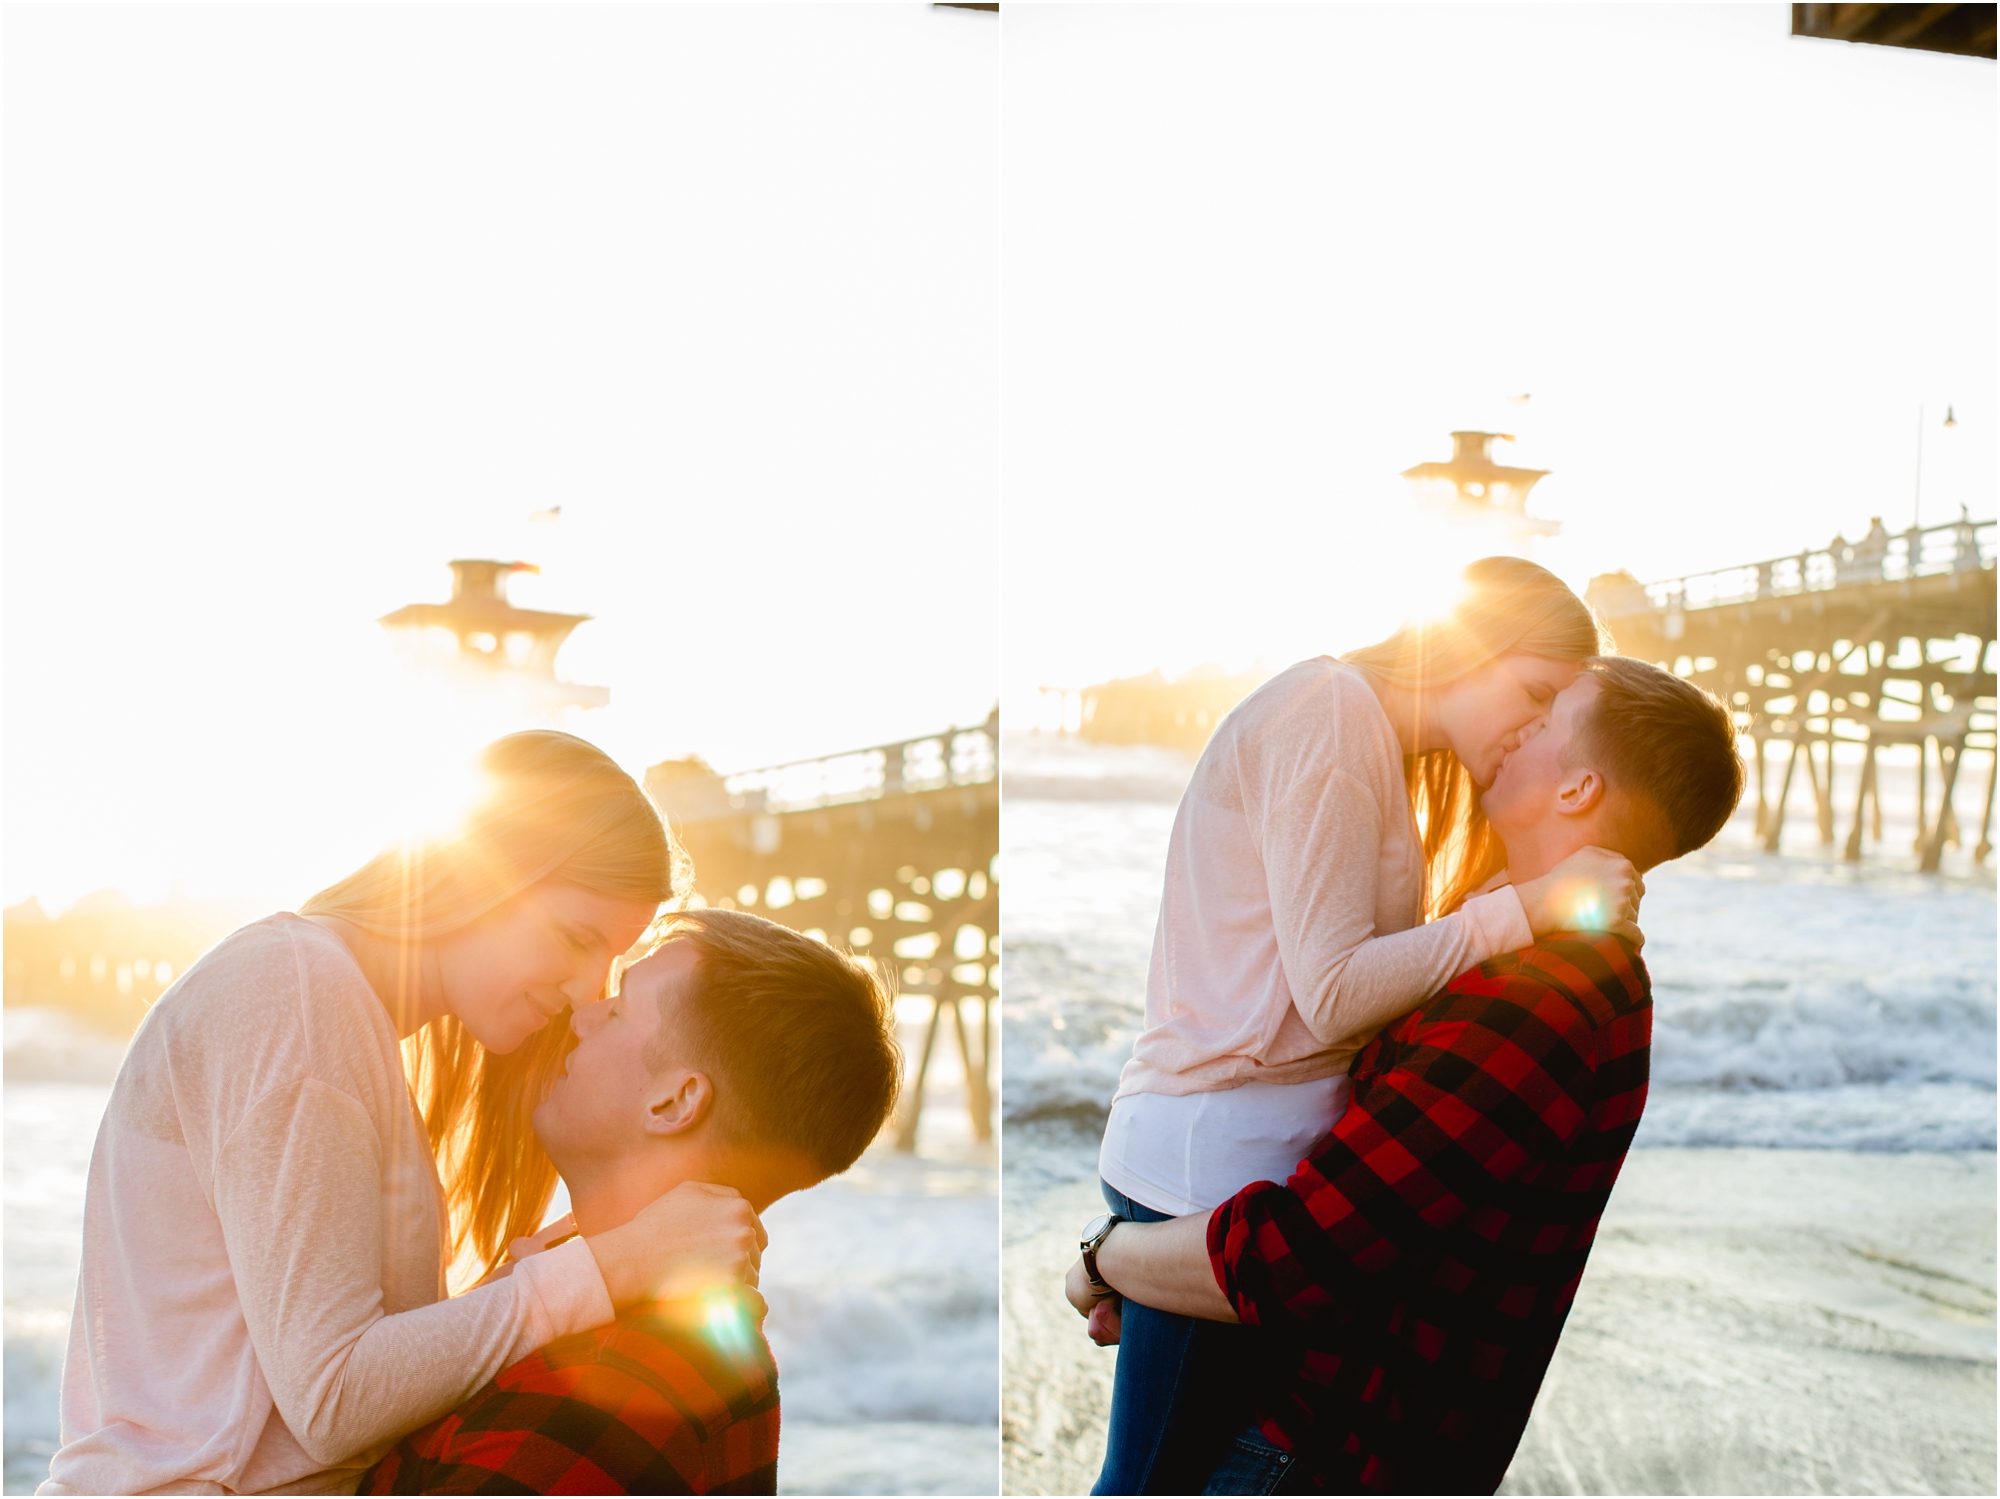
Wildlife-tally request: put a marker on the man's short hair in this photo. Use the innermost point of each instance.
(1662, 739)
(799, 1039)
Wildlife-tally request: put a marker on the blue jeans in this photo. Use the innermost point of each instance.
(1252, 1465)
(1180, 1395)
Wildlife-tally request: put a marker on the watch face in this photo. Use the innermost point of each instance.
(1096, 1226)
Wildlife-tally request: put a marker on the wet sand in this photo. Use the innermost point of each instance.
(1751, 1322)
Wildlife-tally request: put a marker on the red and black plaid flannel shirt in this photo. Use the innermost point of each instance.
(676, 1398)
(1415, 1273)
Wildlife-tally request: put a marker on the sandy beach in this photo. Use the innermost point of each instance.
(1752, 1322)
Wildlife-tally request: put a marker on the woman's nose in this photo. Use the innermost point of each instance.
(587, 987)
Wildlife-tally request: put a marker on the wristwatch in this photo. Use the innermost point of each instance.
(1095, 1233)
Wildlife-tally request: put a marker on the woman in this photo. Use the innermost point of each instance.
(262, 1302)
(1333, 810)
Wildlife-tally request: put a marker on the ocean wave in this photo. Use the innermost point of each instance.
(50, 1046)
(1821, 1035)
(1923, 1116)
(907, 1351)
(1066, 1031)
(33, 1373)
(1888, 1061)
(884, 1305)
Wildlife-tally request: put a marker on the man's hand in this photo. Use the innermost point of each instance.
(1593, 890)
(697, 1237)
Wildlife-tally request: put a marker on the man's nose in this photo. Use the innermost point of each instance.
(586, 1018)
(1528, 731)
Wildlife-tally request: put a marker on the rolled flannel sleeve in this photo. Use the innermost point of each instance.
(1492, 1076)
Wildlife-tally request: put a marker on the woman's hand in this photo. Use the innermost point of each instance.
(546, 1237)
(1593, 890)
(1081, 1293)
(1106, 1322)
(697, 1237)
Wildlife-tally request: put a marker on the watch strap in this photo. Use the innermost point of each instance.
(1090, 1248)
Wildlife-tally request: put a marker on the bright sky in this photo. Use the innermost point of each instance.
(302, 302)
(1261, 259)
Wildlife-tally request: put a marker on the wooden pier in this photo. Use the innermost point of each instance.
(1883, 641)
(890, 853)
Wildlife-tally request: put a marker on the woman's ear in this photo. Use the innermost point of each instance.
(678, 1101)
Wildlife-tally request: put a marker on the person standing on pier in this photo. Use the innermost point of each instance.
(1334, 809)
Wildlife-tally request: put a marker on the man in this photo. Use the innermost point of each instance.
(1413, 1276)
(740, 1054)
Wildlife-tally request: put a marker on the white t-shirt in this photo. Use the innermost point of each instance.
(1184, 1153)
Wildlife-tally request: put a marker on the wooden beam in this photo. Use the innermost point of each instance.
(1852, 853)
(1986, 822)
(1923, 793)
(1822, 791)
(1905, 23)
(1967, 30)
(1934, 851)
(978, 1101)
(1757, 747)
(1777, 823)
(913, 1099)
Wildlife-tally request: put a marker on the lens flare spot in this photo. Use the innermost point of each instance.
(727, 1325)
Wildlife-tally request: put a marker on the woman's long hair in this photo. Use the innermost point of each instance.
(554, 808)
(1508, 607)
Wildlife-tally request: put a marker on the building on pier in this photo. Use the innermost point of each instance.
(481, 638)
(1884, 641)
(1482, 505)
(1486, 500)
(889, 852)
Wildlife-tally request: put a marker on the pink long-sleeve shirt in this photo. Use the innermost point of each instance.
(261, 1301)
(1291, 930)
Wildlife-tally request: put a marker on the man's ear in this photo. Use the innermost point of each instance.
(678, 1101)
(1579, 792)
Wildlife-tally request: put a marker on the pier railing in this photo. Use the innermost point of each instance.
(1960, 546)
(1885, 641)
(957, 757)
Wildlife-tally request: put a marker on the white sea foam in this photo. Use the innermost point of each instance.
(49, 1046)
(885, 1304)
